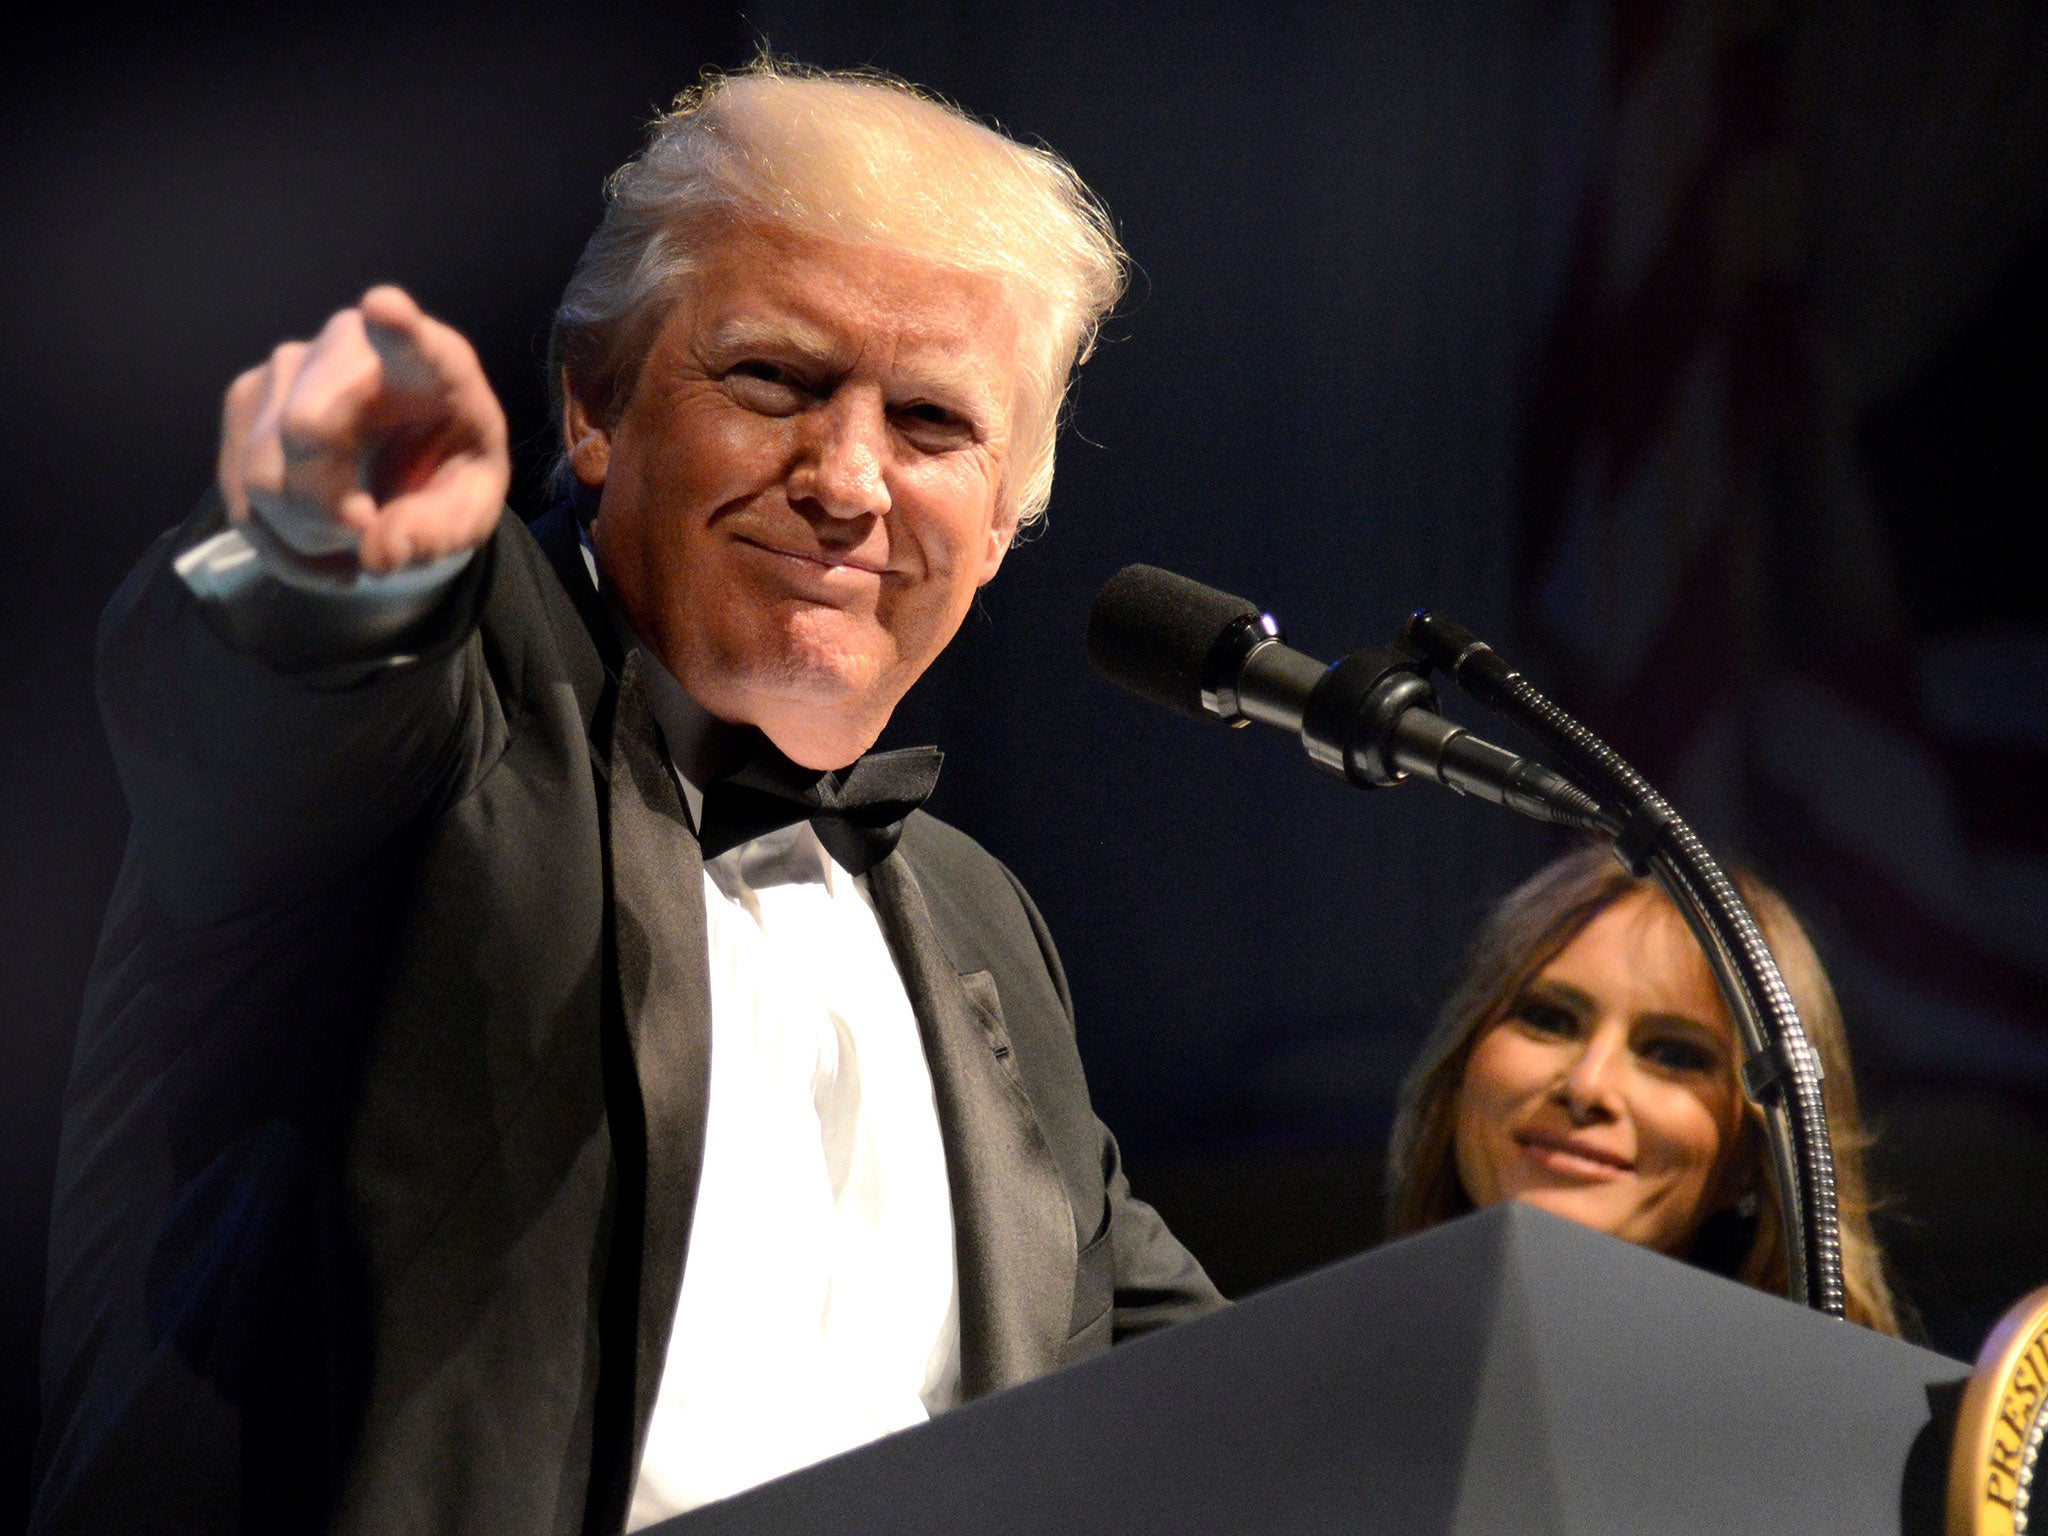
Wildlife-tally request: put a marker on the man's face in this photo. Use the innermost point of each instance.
(800, 497)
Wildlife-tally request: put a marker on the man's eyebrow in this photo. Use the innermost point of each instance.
(950, 383)
(934, 374)
(743, 335)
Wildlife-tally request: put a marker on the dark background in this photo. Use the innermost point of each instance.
(1693, 353)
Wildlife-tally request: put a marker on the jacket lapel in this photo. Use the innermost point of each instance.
(1013, 1225)
(658, 925)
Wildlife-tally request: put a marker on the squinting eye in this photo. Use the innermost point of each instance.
(764, 386)
(1676, 1055)
(933, 427)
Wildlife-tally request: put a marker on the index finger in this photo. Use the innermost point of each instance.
(422, 356)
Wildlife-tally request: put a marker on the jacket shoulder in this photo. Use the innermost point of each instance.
(958, 874)
(984, 916)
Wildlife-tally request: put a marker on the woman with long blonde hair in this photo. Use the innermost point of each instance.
(1586, 1064)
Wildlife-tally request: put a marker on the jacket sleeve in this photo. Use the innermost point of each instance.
(266, 750)
(1157, 1281)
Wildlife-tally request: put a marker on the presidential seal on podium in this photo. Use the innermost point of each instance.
(1996, 1467)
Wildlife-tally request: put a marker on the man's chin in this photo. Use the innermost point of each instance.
(827, 676)
(810, 680)
(829, 659)
(819, 717)
(825, 679)
(822, 658)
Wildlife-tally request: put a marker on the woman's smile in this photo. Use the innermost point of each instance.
(1606, 1092)
(1572, 1157)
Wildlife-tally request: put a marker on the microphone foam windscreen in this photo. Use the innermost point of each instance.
(1151, 631)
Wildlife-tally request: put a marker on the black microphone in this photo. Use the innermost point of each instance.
(1370, 719)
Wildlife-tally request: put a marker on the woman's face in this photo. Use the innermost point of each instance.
(1607, 1094)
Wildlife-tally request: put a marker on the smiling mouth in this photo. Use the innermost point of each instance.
(817, 559)
(1564, 1154)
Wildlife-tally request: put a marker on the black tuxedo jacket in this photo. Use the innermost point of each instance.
(388, 1107)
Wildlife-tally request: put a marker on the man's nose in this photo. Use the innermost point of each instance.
(842, 461)
(1590, 1086)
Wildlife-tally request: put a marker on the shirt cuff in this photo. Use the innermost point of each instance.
(298, 618)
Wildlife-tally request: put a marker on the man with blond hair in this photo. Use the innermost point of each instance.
(542, 1072)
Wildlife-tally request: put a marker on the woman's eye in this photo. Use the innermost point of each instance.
(1546, 1018)
(1678, 1055)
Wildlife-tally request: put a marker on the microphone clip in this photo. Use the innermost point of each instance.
(1348, 723)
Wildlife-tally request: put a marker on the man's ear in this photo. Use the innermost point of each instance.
(589, 445)
(1002, 534)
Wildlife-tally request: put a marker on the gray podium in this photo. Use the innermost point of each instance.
(1509, 1372)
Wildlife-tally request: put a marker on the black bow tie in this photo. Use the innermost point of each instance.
(857, 812)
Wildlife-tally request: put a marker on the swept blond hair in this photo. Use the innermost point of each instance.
(858, 156)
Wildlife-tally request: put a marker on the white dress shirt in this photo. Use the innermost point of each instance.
(820, 1302)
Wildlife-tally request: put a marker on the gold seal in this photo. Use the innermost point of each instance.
(1996, 1467)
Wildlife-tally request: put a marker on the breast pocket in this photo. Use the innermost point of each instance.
(987, 1003)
